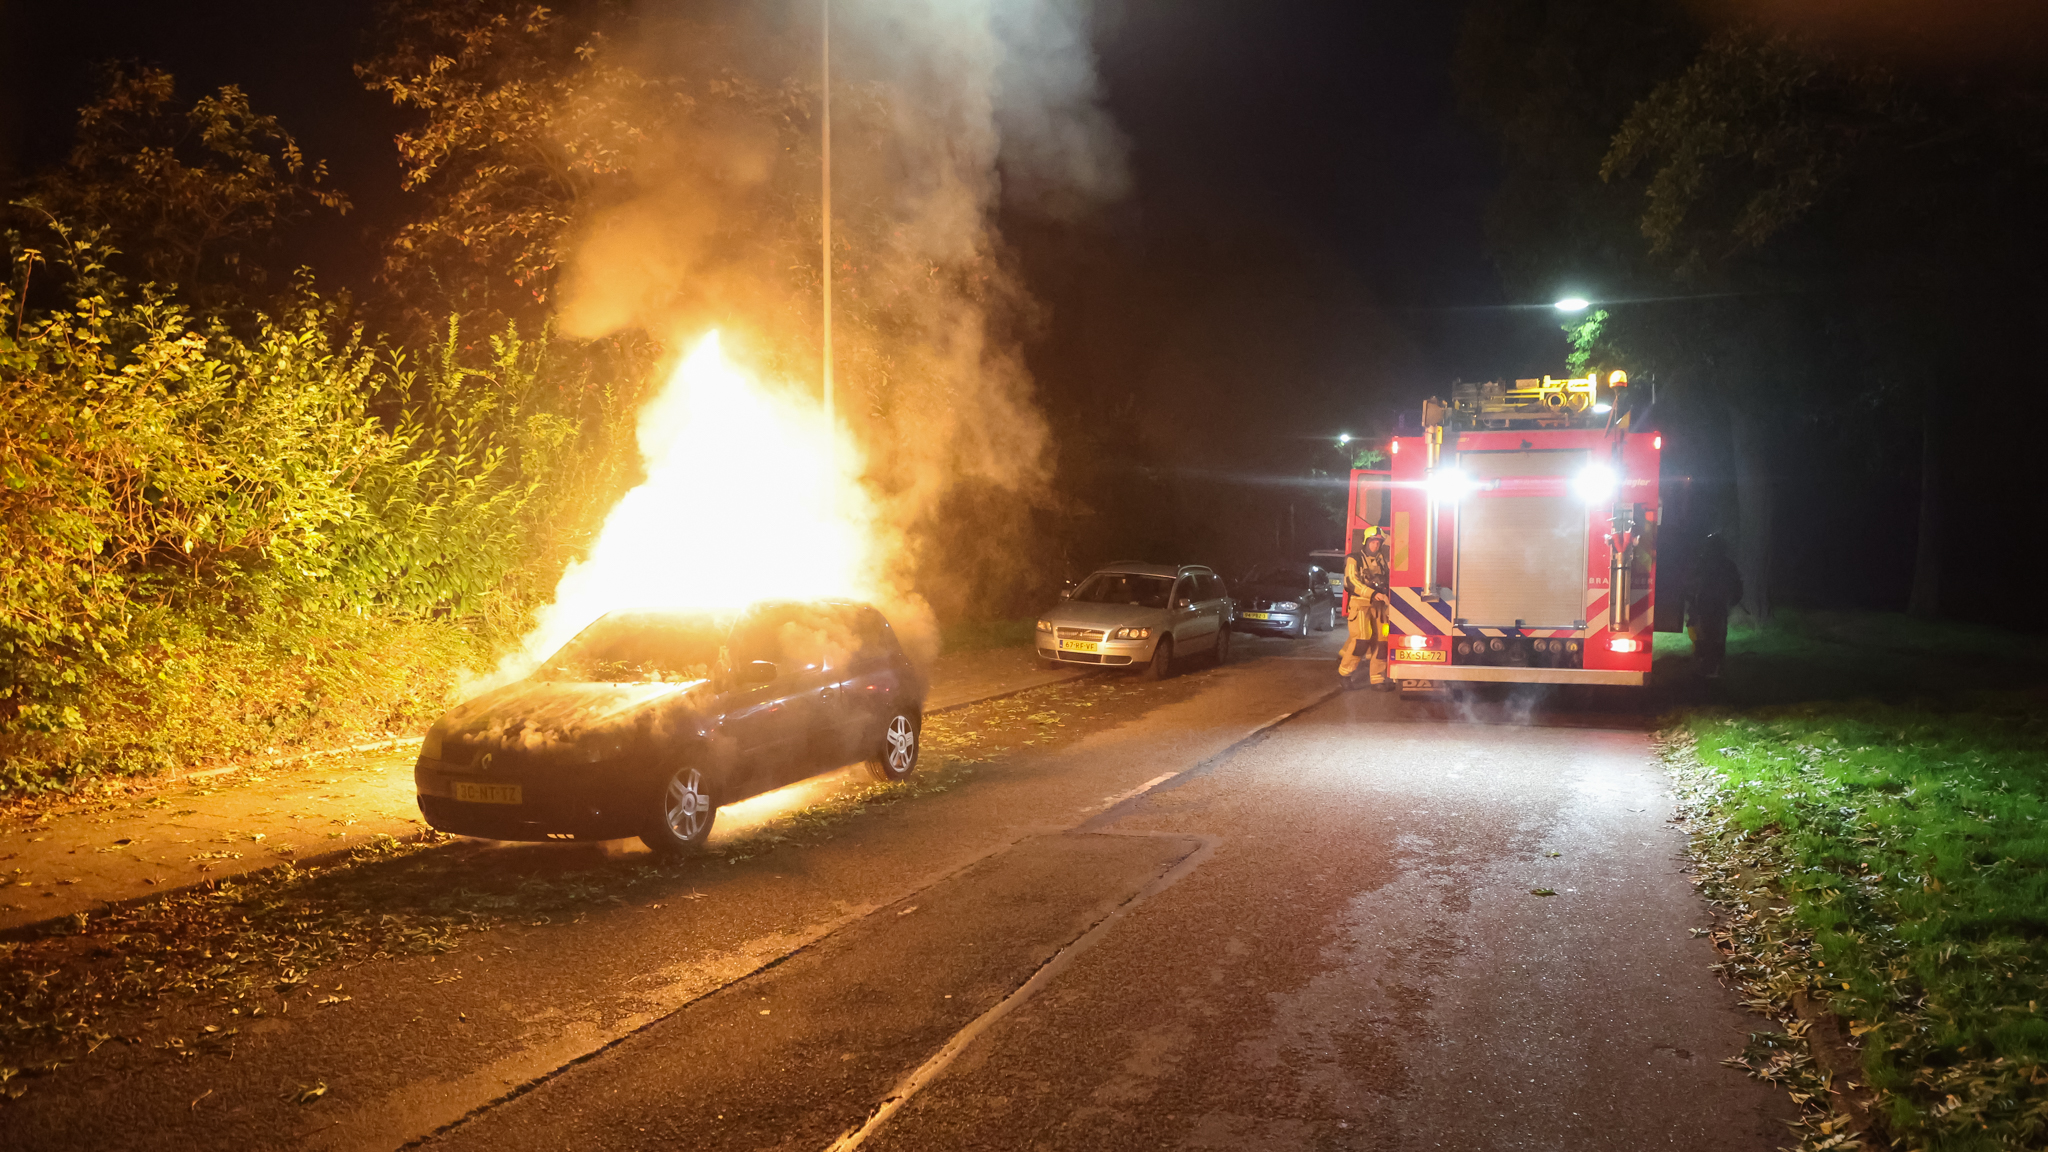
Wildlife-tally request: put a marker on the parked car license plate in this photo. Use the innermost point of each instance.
(488, 793)
(1256, 615)
(1079, 646)
(1426, 655)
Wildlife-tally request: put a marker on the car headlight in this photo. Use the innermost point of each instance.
(430, 745)
(1130, 634)
(1287, 605)
(1045, 625)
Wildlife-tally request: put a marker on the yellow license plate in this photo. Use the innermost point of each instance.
(1426, 655)
(1257, 615)
(1079, 646)
(488, 793)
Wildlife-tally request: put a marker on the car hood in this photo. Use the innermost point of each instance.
(1071, 614)
(1272, 591)
(562, 720)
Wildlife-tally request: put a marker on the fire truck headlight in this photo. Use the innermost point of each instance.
(1448, 484)
(1595, 484)
(1625, 644)
(1418, 641)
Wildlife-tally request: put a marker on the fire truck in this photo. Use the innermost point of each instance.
(1521, 531)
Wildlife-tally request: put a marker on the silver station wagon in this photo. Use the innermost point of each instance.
(1144, 614)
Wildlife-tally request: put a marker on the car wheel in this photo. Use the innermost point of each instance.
(897, 756)
(1222, 652)
(1162, 660)
(682, 817)
(1301, 629)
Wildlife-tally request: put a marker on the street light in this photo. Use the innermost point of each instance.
(1343, 438)
(825, 196)
(1573, 304)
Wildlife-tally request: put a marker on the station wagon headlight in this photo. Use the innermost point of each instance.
(1287, 605)
(1131, 634)
(1045, 625)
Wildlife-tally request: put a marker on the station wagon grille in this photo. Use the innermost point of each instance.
(1081, 633)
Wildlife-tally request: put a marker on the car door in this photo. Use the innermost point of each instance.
(1216, 601)
(1194, 619)
(866, 684)
(773, 724)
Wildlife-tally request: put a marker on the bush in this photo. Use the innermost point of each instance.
(210, 544)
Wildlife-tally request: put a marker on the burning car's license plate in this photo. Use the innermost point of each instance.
(1079, 646)
(1427, 655)
(1256, 615)
(488, 793)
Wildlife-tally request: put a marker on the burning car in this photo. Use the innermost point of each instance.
(646, 722)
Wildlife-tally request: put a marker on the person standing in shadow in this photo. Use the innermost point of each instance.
(1713, 587)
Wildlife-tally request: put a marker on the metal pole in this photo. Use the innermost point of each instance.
(826, 231)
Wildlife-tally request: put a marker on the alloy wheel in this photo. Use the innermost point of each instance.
(902, 740)
(687, 809)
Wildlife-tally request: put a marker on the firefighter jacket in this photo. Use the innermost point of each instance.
(1365, 576)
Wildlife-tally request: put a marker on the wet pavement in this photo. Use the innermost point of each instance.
(1244, 910)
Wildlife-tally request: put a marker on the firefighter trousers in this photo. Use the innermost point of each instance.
(1366, 629)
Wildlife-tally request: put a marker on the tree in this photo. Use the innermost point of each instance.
(189, 195)
(1910, 195)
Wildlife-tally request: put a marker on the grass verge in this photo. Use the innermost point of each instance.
(975, 635)
(1887, 853)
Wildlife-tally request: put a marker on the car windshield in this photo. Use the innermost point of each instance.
(1278, 574)
(1125, 588)
(640, 648)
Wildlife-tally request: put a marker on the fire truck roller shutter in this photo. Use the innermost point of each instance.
(1521, 557)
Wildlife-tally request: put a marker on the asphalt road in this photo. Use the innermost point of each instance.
(1317, 933)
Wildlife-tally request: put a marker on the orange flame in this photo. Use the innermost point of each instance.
(749, 495)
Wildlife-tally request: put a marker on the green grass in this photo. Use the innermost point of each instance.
(976, 635)
(1904, 808)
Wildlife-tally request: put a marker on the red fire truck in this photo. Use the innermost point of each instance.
(1521, 529)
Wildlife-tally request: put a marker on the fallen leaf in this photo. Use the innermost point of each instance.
(307, 1093)
(1541, 892)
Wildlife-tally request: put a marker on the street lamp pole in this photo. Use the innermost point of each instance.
(825, 241)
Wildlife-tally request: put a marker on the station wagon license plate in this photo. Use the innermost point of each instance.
(1079, 646)
(1426, 655)
(1256, 615)
(488, 793)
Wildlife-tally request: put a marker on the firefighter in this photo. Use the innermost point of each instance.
(1713, 587)
(1365, 611)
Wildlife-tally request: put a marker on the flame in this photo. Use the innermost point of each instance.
(749, 495)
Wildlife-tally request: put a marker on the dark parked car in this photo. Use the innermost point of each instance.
(646, 722)
(1286, 600)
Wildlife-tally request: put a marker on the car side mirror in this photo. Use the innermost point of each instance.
(1066, 593)
(755, 672)
(1183, 602)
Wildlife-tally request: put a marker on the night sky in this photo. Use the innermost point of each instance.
(1323, 132)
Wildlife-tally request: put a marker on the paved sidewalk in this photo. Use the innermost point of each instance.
(206, 827)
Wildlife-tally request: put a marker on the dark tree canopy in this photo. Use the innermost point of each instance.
(192, 194)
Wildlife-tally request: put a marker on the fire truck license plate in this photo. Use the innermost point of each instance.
(488, 793)
(1079, 646)
(1427, 655)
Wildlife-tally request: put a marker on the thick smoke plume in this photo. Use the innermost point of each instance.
(937, 105)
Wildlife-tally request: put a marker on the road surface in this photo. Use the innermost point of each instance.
(1240, 910)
